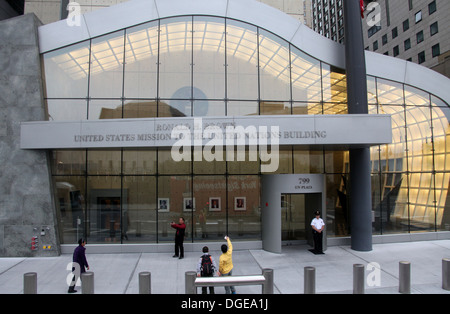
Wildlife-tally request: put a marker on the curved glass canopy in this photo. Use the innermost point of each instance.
(213, 66)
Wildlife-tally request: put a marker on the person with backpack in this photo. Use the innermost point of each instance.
(206, 267)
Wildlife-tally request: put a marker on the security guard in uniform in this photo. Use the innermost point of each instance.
(317, 225)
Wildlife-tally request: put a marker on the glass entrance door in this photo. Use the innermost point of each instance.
(297, 211)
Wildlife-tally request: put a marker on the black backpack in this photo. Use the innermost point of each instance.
(207, 266)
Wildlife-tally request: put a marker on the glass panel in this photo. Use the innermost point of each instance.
(442, 205)
(389, 93)
(244, 212)
(141, 60)
(306, 77)
(275, 108)
(307, 108)
(209, 57)
(307, 161)
(105, 201)
(334, 83)
(336, 161)
(107, 66)
(66, 71)
(371, 90)
(211, 167)
(441, 140)
(376, 203)
(104, 162)
(67, 109)
(70, 207)
(105, 109)
(335, 108)
(421, 199)
(242, 61)
(175, 57)
(416, 97)
(139, 209)
(420, 146)
(139, 161)
(166, 165)
(337, 205)
(242, 108)
(204, 108)
(285, 160)
(245, 166)
(175, 200)
(394, 196)
(68, 162)
(210, 217)
(139, 109)
(274, 67)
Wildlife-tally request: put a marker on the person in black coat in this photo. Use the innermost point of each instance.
(79, 257)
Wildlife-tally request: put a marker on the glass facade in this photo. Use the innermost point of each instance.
(194, 66)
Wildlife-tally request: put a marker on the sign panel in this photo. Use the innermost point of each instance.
(167, 132)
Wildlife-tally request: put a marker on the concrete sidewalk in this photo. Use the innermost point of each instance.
(118, 273)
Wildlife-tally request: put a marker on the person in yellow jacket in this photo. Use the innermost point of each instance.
(226, 263)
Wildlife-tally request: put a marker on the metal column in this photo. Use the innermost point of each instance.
(360, 181)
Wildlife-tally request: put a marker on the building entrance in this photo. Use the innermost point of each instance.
(297, 211)
(288, 203)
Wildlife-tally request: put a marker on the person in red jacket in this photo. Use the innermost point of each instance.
(179, 237)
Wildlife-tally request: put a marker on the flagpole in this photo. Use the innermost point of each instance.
(360, 179)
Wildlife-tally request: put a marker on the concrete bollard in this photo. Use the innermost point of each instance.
(189, 282)
(446, 274)
(30, 283)
(87, 283)
(404, 277)
(309, 280)
(358, 279)
(267, 287)
(145, 286)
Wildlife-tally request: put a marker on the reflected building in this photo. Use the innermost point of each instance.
(179, 65)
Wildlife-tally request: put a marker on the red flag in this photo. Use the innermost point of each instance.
(361, 4)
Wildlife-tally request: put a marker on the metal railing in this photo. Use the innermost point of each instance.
(192, 282)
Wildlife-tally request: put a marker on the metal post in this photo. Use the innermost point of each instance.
(446, 274)
(404, 277)
(189, 280)
(267, 287)
(145, 286)
(309, 280)
(30, 283)
(87, 283)
(358, 279)
(360, 180)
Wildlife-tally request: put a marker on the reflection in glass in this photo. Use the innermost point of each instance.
(242, 108)
(107, 66)
(175, 56)
(334, 83)
(242, 61)
(139, 209)
(67, 109)
(209, 56)
(274, 67)
(141, 60)
(177, 190)
(104, 161)
(306, 77)
(66, 71)
(105, 200)
(244, 211)
(105, 109)
(70, 195)
(68, 162)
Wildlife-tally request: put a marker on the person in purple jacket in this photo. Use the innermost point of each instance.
(79, 257)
